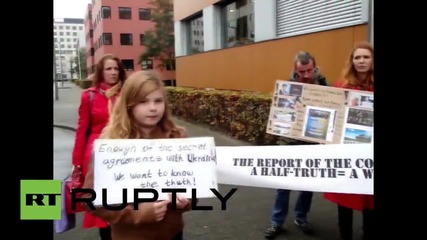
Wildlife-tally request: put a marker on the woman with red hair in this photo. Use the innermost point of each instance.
(94, 111)
(358, 75)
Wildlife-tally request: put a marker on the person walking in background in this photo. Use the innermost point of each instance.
(93, 115)
(358, 75)
(142, 112)
(305, 71)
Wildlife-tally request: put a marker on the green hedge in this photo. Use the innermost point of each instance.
(241, 115)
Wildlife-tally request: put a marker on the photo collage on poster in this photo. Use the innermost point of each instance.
(321, 114)
(359, 120)
(284, 108)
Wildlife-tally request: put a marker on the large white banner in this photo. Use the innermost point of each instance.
(342, 168)
(195, 163)
(129, 164)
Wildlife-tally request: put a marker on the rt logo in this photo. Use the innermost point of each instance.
(41, 199)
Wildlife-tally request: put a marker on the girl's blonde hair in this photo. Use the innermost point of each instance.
(122, 124)
(350, 73)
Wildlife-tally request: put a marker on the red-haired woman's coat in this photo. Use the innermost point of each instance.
(94, 114)
(353, 201)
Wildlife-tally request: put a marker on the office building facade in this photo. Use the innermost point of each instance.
(118, 27)
(68, 34)
(248, 44)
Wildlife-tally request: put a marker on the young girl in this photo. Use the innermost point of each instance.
(142, 112)
(358, 75)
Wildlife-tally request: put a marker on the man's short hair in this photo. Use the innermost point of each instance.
(304, 58)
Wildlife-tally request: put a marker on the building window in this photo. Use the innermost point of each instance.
(106, 12)
(302, 17)
(125, 13)
(195, 40)
(126, 39)
(99, 41)
(128, 64)
(238, 27)
(147, 64)
(107, 39)
(141, 39)
(170, 65)
(144, 14)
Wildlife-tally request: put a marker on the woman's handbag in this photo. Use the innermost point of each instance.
(74, 180)
(67, 221)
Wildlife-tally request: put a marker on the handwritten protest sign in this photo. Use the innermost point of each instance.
(321, 114)
(119, 164)
(342, 168)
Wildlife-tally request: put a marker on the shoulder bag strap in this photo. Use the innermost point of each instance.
(90, 114)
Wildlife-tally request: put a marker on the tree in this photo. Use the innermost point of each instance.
(82, 65)
(159, 41)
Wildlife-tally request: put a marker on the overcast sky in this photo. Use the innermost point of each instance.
(69, 8)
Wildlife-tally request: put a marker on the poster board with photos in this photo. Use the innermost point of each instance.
(321, 114)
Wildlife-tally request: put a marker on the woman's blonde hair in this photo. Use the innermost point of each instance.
(350, 73)
(122, 124)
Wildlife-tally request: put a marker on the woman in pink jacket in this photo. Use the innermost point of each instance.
(94, 110)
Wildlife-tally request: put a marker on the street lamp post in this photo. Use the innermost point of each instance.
(60, 64)
(55, 78)
(78, 60)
